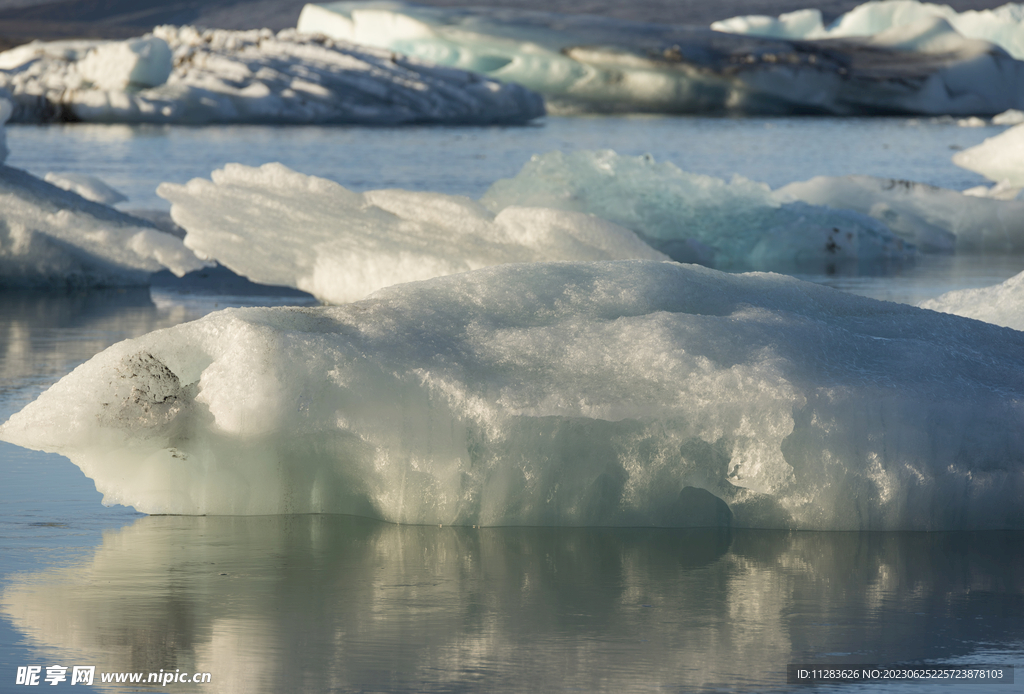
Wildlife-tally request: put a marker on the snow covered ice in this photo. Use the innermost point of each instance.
(610, 393)
(592, 63)
(691, 217)
(182, 75)
(54, 238)
(277, 226)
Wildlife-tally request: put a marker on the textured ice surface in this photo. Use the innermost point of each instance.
(935, 219)
(89, 187)
(614, 393)
(50, 237)
(277, 226)
(697, 218)
(999, 158)
(181, 75)
(594, 63)
(1002, 304)
(1003, 26)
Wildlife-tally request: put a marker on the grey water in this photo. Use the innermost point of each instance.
(334, 603)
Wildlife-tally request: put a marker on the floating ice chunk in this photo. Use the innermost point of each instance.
(249, 76)
(1011, 117)
(277, 226)
(1002, 304)
(600, 64)
(115, 66)
(614, 393)
(999, 158)
(802, 24)
(740, 224)
(89, 187)
(50, 237)
(1003, 26)
(935, 219)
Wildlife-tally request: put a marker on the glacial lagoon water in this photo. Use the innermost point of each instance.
(335, 603)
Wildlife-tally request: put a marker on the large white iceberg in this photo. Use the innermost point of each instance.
(581, 62)
(999, 158)
(935, 219)
(1002, 304)
(1003, 26)
(691, 217)
(181, 75)
(614, 393)
(280, 227)
(50, 237)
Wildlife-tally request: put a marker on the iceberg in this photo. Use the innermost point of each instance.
(691, 217)
(1003, 26)
(276, 226)
(999, 158)
(588, 63)
(1002, 304)
(182, 75)
(935, 219)
(625, 393)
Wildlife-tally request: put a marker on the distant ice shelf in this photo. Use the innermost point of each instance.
(182, 75)
(627, 393)
(588, 63)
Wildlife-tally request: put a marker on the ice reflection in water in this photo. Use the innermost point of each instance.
(317, 603)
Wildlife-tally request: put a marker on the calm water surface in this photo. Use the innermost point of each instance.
(319, 603)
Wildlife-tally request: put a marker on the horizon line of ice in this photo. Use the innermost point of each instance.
(626, 393)
(589, 63)
(182, 75)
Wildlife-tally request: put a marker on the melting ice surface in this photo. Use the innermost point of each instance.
(277, 226)
(1002, 304)
(594, 63)
(614, 393)
(181, 75)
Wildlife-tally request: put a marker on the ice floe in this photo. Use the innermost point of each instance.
(599, 64)
(1002, 304)
(936, 219)
(999, 158)
(609, 393)
(1003, 26)
(182, 75)
(277, 226)
(55, 238)
(691, 217)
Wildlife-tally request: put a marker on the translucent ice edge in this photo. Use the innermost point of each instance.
(591, 63)
(183, 75)
(613, 393)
